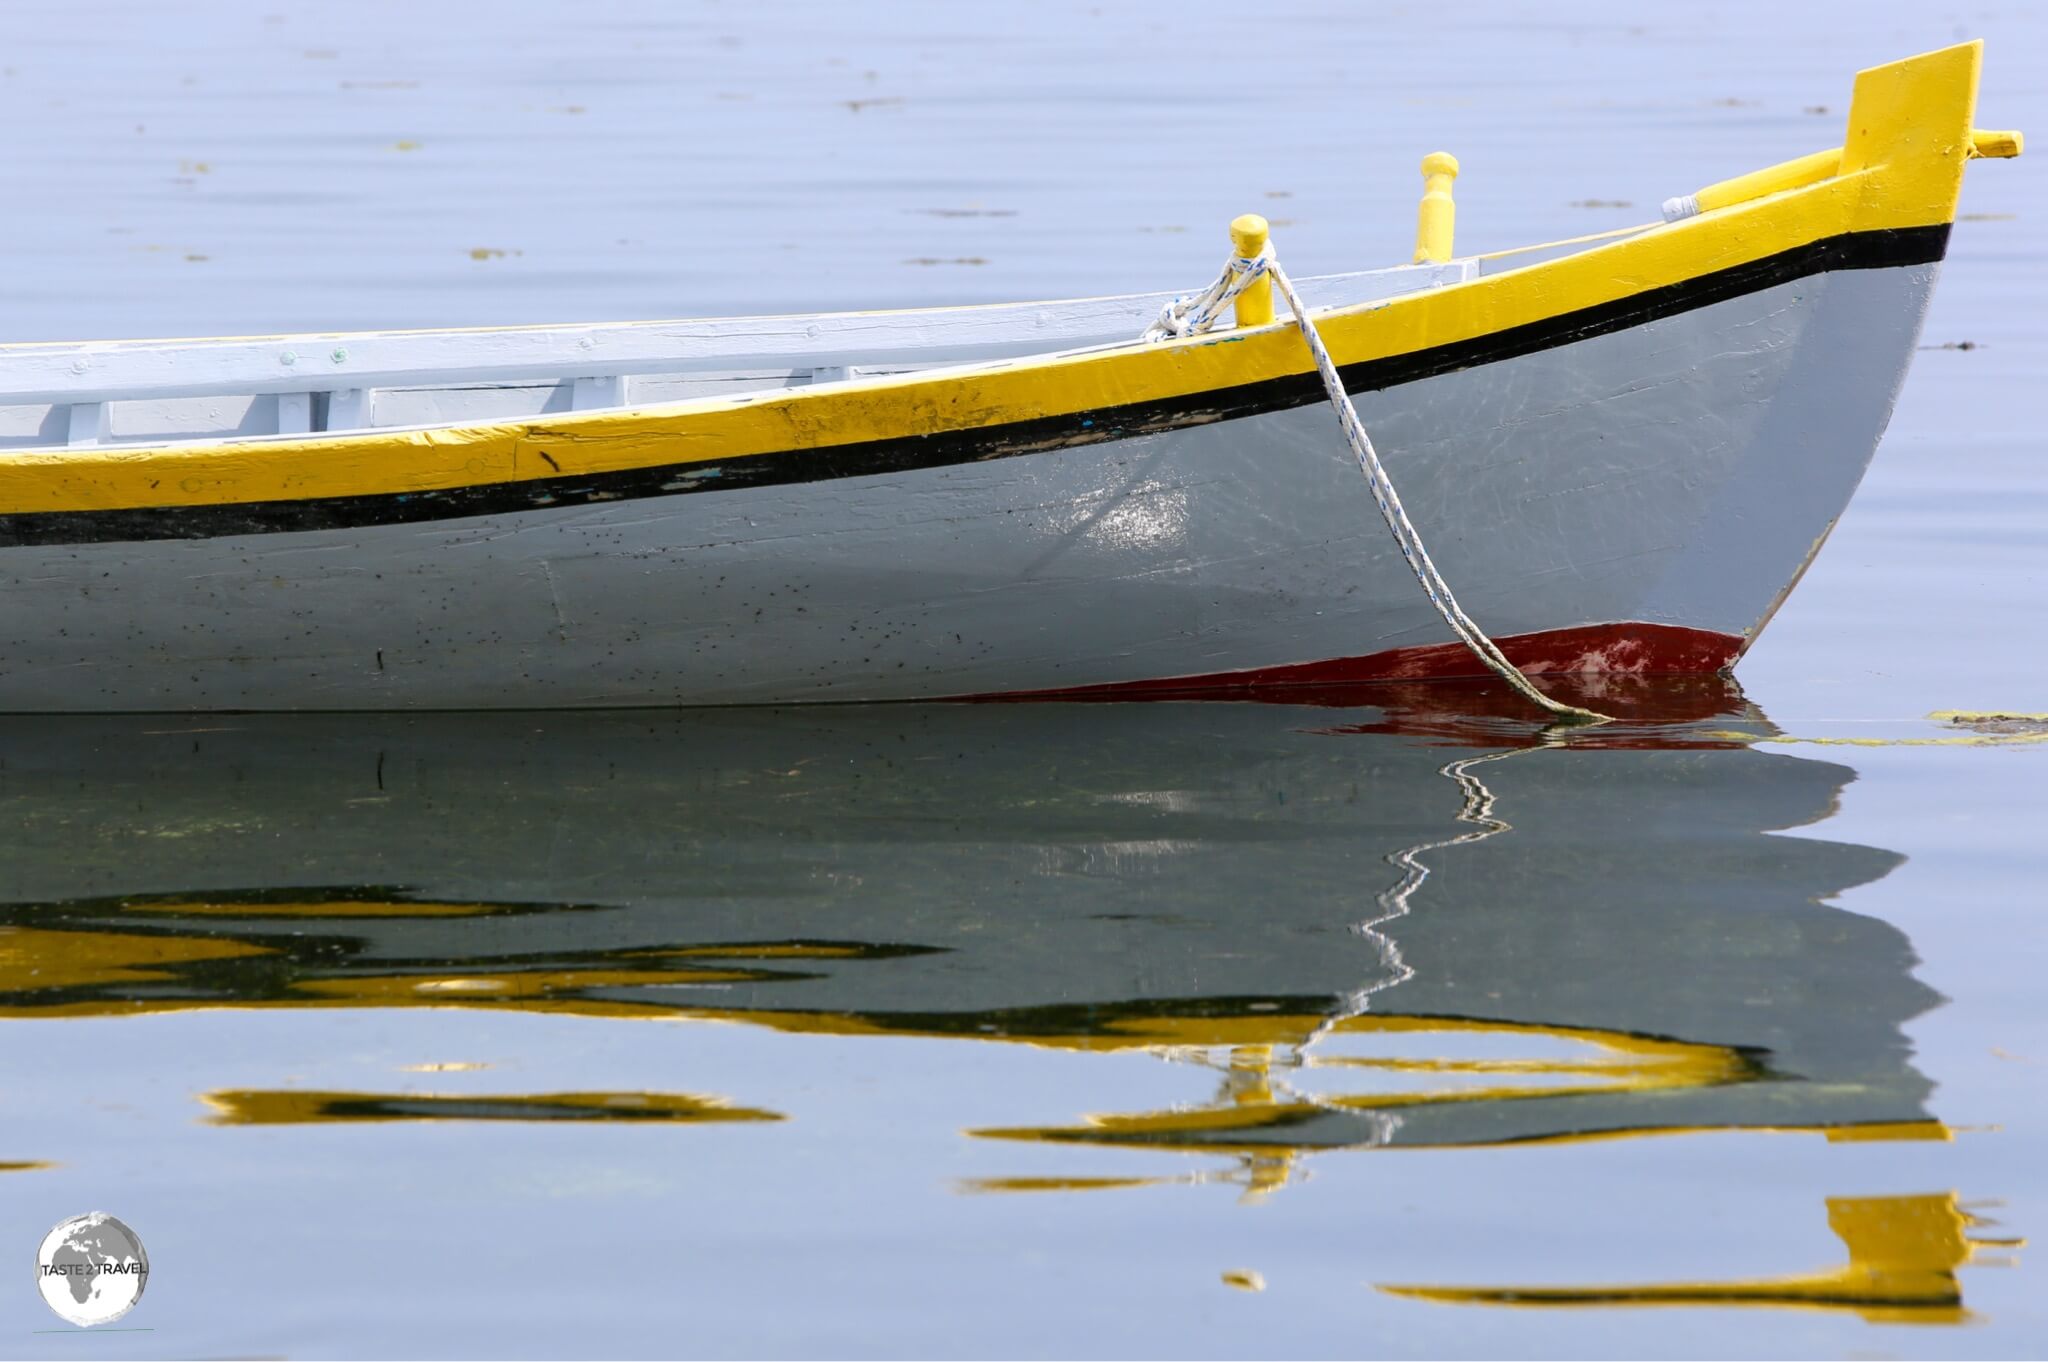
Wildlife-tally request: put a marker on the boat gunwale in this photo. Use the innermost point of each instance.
(521, 374)
(100, 344)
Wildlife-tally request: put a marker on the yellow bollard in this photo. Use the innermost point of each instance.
(1248, 238)
(1996, 144)
(1433, 221)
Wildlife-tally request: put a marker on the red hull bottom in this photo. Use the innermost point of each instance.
(1585, 651)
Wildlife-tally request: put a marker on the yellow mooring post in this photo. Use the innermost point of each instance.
(1248, 238)
(1996, 144)
(1433, 221)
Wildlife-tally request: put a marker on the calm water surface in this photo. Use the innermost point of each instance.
(1386, 1024)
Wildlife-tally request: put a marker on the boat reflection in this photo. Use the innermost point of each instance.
(297, 1106)
(1903, 1256)
(1093, 877)
(1379, 922)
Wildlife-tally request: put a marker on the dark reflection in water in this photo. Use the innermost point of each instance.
(1376, 927)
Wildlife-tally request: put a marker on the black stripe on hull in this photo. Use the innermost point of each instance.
(1887, 249)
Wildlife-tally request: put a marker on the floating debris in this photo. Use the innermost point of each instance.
(2001, 725)
(1244, 1279)
(1602, 203)
(858, 104)
(937, 260)
(1985, 729)
(1956, 345)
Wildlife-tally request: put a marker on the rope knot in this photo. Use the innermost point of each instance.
(1193, 316)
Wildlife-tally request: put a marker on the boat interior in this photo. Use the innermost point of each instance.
(162, 392)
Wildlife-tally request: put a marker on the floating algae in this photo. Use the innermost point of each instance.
(1986, 729)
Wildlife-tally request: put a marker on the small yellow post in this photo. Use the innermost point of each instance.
(2000, 145)
(1434, 220)
(1248, 238)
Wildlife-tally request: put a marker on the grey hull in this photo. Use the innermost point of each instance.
(1678, 473)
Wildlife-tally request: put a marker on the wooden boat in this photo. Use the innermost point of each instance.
(1623, 453)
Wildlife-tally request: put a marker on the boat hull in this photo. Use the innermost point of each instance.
(1633, 501)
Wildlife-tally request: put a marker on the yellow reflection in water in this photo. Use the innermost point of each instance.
(37, 959)
(39, 966)
(1255, 1093)
(272, 1107)
(1903, 1253)
(1255, 1101)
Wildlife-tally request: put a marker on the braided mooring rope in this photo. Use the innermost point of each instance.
(1192, 316)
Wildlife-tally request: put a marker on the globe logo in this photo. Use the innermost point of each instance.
(91, 1269)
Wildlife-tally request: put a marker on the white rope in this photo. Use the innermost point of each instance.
(1188, 317)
